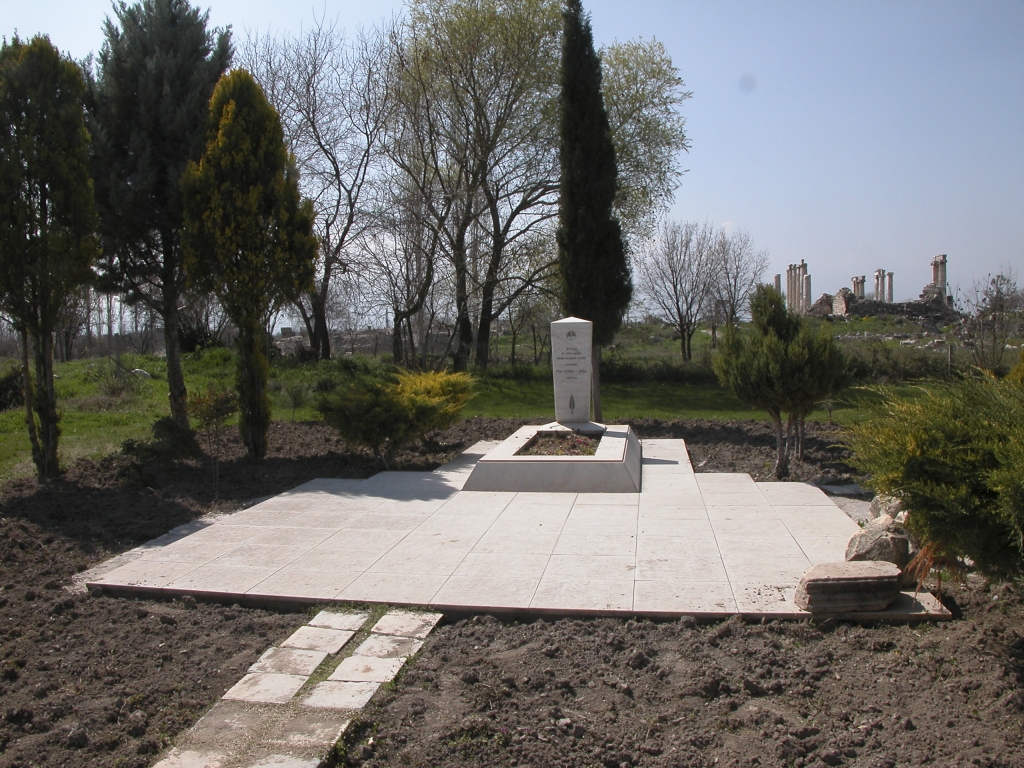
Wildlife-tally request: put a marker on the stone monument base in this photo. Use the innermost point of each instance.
(615, 468)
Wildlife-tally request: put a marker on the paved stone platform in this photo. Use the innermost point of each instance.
(700, 544)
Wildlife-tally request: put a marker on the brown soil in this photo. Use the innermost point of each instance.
(98, 681)
(558, 444)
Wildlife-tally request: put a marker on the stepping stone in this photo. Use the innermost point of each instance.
(191, 759)
(407, 624)
(287, 761)
(315, 729)
(388, 647)
(318, 639)
(333, 694)
(357, 669)
(289, 661)
(266, 688)
(331, 620)
(848, 587)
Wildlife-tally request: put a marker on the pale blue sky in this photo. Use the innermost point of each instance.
(876, 134)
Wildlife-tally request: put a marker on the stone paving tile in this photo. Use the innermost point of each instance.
(312, 730)
(286, 536)
(334, 694)
(793, 494)
(767, 570)
(185, 551)
(516, 543)
(696, 568)
(415, 624)
(270, 518)
(338, 559)
(677, 547)
(367, 669)
(286, 761)
(590, 567)
(296, 581)
(266, 688)
(765, 598)
(363, 540)
(824, 549)
(192, 759)
(231, 534)
(145, 572)
(289, 661)
(658, 525)
(486, 593)
(580, 595)
(339, 620)
(267, 556)
(216, 579)
(491, 564)
(677, 596)
(388, 647)
(598, 544)
(318, 639)
(407, 588)
(601, 520)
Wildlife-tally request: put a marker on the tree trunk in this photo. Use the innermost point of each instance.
(396, 339)
(596, 384)
(253, 402)
(781, 448)
(323, 334)
(176, 392)
(464, 327)
(30, 417)
(46, 408)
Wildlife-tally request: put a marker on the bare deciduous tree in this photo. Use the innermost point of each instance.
(478, 82)
(739, 269)
(992, 312)
(676, 276)
(335, 99)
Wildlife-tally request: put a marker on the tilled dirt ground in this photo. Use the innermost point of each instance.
(623, 693)
(98, 681)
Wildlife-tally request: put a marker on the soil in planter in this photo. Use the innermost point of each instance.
(560, 444)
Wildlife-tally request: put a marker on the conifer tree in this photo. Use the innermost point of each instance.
(248, 234)
(157, 70)
(782, 366)
(595, 276)
(47, 217)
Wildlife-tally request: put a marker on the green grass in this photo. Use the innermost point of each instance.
(95, 423)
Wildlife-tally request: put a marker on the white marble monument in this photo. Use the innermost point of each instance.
(572, 368)
(614, 468)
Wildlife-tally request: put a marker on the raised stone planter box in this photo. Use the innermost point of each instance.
(615, 468)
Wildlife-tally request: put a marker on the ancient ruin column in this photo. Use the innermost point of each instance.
(778, 284)
(935, 271)
(942, 274)
(888, 287)
(807, 294)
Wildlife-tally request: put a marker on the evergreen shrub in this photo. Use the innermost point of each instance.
(385, 412)
(955, 456)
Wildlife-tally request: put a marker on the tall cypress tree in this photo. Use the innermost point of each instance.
(596, 282)
(157, 71)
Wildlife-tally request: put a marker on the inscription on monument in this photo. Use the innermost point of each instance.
(571, 364)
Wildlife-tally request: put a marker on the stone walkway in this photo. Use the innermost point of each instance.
(699, 544)
(295, 703)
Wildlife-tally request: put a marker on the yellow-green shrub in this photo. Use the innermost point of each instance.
(955, 456)
(383, 413)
